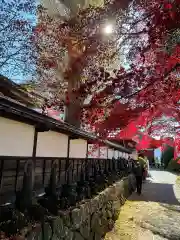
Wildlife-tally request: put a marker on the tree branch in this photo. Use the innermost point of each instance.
(9, 57)
(149, 84)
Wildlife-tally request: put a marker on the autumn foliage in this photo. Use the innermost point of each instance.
(72, 57)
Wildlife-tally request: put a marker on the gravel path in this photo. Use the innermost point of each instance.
(155, 215)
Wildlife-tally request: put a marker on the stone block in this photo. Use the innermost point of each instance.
(65, 234)
(122, 199)
(116, 209)
(116, 205)
(88, 207)
(91, 237)
(59, 227)
(105, 195)
(96, 223)
(112, 193)
(78, 236)
(35, 234)
(101, 200)
(85, 228)
(83, 212)
(25, 231)
(97, 236)
(65, 215)
(119, 188)
(55, 237)
(95, 204)
(105, 229)
(47, 231)
(126, 192)
(109, 214)
(104, 211)
(109, 206)
(115, 214)
(110, 224)
(69, 234)
(76, 217)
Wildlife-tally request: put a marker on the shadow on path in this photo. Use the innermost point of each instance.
(156, 192)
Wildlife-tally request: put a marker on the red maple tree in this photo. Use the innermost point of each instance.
(71, 64)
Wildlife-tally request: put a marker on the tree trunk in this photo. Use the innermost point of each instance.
(72, 114)
(73, 108)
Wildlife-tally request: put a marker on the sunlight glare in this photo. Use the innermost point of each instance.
(108, 29)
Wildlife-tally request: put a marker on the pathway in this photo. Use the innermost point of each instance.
(155, 215)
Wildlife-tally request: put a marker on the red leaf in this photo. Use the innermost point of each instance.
(128, 132)
(168, 6)
(144, 143)
(177, 146)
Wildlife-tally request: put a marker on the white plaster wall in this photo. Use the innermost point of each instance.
(110, 153)
(52, 144)
(93, 151)
(16, 138)
(134, 155)
(103, 152)
(116, 154)
(78, 148)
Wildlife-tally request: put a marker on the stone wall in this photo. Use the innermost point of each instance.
(89, 220)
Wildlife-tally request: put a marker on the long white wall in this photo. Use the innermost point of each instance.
(51, 144)
(110, 153)
(78, 148)
(116, 154)
(134, 155)
(16, 138)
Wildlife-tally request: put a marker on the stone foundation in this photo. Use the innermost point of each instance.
(89, 220)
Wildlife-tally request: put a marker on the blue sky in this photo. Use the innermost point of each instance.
(157, 153)
(7, 69)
